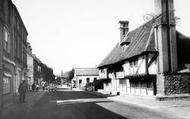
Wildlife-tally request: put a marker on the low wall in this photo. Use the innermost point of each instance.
(177, 84)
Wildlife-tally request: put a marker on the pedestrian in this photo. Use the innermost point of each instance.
(33, 87)
(22, 91)
(37, 87)
(43, 85)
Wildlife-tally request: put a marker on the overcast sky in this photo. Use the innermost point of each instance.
(80, 33)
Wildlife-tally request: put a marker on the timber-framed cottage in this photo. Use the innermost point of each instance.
(151, 60)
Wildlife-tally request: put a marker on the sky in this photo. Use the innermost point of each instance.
(66, 34)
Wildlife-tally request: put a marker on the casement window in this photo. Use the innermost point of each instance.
(6, 40)
(136, 63)
(39, 69)
(102, 71)
(133, 63)
(6, 85)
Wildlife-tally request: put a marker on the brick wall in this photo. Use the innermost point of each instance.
(177, 84)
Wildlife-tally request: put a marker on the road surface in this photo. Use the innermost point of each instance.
(76, 105)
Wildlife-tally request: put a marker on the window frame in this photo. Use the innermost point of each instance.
(6, 40)
(6, 85)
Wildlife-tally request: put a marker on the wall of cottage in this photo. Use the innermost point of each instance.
(153, 68)
(103, 73)
(136, 67)
(177, 84)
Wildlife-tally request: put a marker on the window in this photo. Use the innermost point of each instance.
(16, 47)
(20, 49)
(17, 24)
(87, 80)
(131, 64)
(102, 71)
(149, 84)
(6, 85)
(6, 40)
(136, 63)
(39, 69)
(23, 55)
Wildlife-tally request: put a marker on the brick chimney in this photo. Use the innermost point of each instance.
(124, 28)
(166, 36)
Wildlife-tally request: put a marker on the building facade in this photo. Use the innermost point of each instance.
(150, 60)
(84, 76)
(37, 70)
(30, 66)
(41, 72)
(13, 36)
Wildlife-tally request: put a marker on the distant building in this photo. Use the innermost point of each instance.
(37, 70)
(30, 66)
(41, 72)
(152, 60)
(83, 76)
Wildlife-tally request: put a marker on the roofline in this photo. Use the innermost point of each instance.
(87, 74)
(124, 60)
(18, 14)
(86, 68)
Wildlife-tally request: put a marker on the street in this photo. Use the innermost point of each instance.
(76, 105)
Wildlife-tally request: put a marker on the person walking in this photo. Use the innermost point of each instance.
(43, 85)
(22, 91)
(33, 87)
(37, 87)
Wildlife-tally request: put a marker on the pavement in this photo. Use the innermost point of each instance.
(8, 102)
(31, 97)
(179, 106)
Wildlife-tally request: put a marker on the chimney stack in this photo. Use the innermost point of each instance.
(166, 36)
(124, 28)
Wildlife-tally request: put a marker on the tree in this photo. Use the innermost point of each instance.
(47, 74)
(70, 75)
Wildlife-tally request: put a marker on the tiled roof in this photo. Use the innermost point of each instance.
(141, 40)
(86, 71)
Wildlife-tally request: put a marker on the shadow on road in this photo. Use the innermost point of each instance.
(74, 95)
(72, 105)
(79, 105)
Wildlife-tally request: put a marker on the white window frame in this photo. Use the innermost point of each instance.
(6, 40)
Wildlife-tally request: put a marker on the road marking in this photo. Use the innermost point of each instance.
(76, 101)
